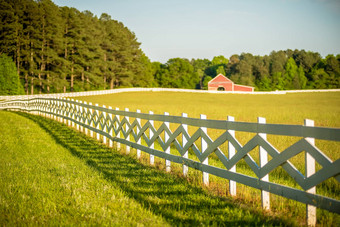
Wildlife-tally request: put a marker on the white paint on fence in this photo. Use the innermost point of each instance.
(265, 197)
(184, 142)
(77, 117)
(104, 127)
(85, 120)
(137, 133)
(167, 150)
(80, 116)
(91, 122)
(204, 146)
(310, 170)
(152, 146)
(231, 153)
(67, 110)
(73, 115)
(127, 127)
(97, 122)
(118, 128)
(111, 128)
(121, 90)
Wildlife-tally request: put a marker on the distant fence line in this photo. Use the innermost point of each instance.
(121, 90)
(137, 130)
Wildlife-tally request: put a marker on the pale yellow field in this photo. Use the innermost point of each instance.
(323, 108)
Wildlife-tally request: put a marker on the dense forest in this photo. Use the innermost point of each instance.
(60, 49)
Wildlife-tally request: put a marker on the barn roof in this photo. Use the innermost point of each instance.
(220, 79)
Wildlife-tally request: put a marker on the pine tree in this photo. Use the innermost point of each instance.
(9, 78)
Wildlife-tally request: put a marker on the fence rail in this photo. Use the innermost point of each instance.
(121, 90)
(137, 130)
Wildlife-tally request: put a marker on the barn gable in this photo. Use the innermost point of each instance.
(220, 79)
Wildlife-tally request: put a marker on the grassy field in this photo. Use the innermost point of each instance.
(52, 175)
(323, 108)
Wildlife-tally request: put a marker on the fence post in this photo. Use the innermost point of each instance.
(60, 118)
(44, 108)
(137, 132)
(69, 113)
(49, 108)
(184, 142)
(310, 170)
(38, 107)
(204, 146)
(118, 133)
(104, 129)
(80, 119)
(98, 125)
(152, 146)
(56, 109)
(265, 196)
(85, 121)
(60, 110)
(111, 130)
(231, 153)
(46, 114)
(35, 111)
(166, 138)
(60, 106)
(76, 117)
(91, 122)
(65, 113)
(126, 129)
(73, 114)
(54, 103)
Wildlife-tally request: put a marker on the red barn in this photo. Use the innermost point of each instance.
(222, 83)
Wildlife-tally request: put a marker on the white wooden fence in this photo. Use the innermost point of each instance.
(137, 130)
(121, 90)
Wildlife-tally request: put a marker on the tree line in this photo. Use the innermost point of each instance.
(281, 70)
(59, 49)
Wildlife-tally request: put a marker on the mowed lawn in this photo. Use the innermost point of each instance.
(43, 183)
(52, 175)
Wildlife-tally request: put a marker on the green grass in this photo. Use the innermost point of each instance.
(53, 175)
(44, 183)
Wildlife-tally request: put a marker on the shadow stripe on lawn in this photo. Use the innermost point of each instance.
(166, 195)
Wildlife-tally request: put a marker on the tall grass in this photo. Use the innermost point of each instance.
(292, 108)
(53, 175)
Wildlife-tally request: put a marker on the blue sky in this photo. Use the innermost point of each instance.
(207, 28)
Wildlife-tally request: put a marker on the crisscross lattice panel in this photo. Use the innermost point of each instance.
(126, 128)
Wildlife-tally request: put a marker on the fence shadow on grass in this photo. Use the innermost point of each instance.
(171, 197)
